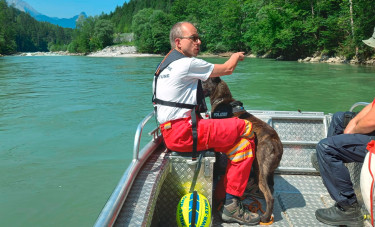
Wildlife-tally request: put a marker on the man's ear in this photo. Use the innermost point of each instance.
(177, 43)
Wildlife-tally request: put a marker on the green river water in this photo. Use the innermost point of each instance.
(67, 123)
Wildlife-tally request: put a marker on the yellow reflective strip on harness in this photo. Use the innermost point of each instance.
(168, 126)
(251, 135)
(241, 145)
(242, 156)
(239, 151)
(248, 133)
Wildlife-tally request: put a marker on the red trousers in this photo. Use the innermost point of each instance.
(231, 136)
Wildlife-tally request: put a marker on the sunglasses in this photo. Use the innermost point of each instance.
(194, 38)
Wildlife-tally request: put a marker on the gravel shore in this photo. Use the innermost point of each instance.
(110, 51)
(131, 51)
(325, 59)
(120, 51)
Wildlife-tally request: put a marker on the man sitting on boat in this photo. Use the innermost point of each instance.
(178, 95)
(347, 139)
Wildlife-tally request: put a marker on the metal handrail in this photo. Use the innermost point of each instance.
(138, 134)
(358, 104)
(108, 215)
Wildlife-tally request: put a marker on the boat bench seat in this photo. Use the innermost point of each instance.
(178, 182)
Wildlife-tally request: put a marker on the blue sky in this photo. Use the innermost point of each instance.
(70, 8)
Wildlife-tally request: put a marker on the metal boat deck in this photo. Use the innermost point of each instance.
(298, 189)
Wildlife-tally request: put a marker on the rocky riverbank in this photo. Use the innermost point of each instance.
(119, 51)
(55, 53)
(326, 59)
(313, 59)
(110, 51)
(131, 51)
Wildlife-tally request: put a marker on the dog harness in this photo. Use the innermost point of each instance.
(200, 107)
(227, 110)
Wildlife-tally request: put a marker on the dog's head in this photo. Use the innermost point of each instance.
(210, 85)
(218, 91)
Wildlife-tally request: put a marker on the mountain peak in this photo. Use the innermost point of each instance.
(23, 6)
(63, 22)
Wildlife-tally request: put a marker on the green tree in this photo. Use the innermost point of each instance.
(161, 24)
(364, 23)
(151, 31)
(292, 28)
(20, 32)
(91, 34)
(84, 33)
(231, 30)
(103, 34)
(142, 30)
(7, 31)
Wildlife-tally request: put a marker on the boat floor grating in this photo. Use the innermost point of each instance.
(296, 199)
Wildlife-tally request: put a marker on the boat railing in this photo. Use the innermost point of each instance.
(358, 104)
(138, 134)
(114, 204)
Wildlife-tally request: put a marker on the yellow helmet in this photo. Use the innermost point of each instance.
(185, 210)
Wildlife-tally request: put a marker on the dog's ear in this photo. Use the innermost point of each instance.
(210, 85)
(221, 95)
(224, 91)
(216, 80)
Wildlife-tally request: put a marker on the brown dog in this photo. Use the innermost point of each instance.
(268, 149)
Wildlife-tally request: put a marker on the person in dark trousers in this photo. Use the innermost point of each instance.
(347, 138)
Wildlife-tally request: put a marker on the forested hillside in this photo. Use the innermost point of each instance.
(19, 32)
(289, 29)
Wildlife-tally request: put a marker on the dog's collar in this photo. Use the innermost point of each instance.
(217, 101)
(237, 106)
(237, 109)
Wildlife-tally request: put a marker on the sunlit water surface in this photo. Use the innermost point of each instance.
(67, 123)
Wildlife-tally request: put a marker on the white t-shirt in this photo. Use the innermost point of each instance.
(178, 83)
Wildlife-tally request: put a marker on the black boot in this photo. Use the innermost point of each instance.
(337, 215)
